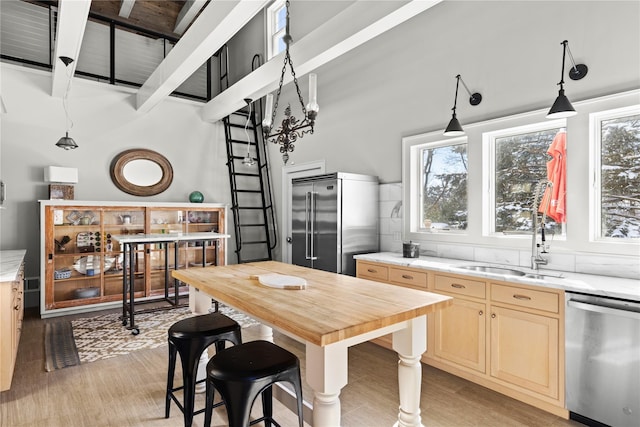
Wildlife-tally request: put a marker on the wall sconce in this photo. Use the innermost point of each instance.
(291, 128)
(454, 128)
(66, 141)
(562, 108)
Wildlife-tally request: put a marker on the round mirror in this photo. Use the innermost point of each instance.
(141, 172)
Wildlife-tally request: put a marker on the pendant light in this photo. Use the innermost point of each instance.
(454, 128)
(562, 107)
(248, 160)
(66, 142)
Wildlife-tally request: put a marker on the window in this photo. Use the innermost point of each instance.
(616, 134)
(276, 26)
(443, 186)
(518, 164)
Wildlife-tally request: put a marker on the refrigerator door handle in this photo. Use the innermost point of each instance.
(313, 228)
(306, 225)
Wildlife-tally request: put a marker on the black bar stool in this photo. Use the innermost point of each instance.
(242, 372)
(190, 337)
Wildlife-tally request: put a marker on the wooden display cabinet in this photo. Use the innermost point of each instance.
(82, 264)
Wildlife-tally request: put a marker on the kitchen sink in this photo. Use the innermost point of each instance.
(494, 270)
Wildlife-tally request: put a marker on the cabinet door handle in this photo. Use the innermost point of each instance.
(480, 313)
(371, 270)
(458, 286)
(406, 276)
(522, 297)
(493, 315)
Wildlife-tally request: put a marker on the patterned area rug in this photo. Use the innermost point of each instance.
(102, 337)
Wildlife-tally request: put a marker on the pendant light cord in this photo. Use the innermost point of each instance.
(245, 129)
(64, 103)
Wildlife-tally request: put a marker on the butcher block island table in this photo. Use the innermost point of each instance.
(333, 313)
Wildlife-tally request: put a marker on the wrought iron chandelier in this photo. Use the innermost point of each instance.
(291, 128)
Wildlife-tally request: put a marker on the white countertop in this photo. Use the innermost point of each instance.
(10, 262)
(615, 287)
(167, 237)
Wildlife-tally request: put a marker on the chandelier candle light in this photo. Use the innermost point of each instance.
(291, 128)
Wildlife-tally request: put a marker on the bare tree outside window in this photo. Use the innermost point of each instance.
(620, 177)
(520, 163)
(444, 187)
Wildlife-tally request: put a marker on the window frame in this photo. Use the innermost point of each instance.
(595, 164)
(489, 173)
(415, 211)
(270, 27)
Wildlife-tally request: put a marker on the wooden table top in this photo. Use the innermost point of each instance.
(332, 308)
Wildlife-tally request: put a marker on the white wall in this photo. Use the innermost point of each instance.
(105, 123)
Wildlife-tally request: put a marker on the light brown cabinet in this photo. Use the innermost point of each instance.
(11, 314)
(82, 264)
(505, 336)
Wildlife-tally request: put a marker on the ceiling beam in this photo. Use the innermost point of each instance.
(187, 14)
(354, 26)
(125, 8)
(217, 23)
(72, 20)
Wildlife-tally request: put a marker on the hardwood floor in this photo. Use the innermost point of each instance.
(129, 391)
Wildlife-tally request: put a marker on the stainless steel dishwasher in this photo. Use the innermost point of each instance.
(602, 360)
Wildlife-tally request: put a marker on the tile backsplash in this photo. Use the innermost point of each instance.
(392, 214)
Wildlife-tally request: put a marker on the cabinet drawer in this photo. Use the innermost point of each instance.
(539, 300)
(371, 271)
(456, 285)
(408, 277)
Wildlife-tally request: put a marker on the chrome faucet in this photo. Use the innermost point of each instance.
(536, 257)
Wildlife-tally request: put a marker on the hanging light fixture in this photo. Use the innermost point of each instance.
(66, 141)
(562, 107)
(248, 160)
(454, 128)
(291, 128)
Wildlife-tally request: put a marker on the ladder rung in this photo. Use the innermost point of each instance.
(240, 113)
(251, 225)
(239, 141)
(248, 191)
(238, 125)
(244, 174)
(247, 207)
(256, 242)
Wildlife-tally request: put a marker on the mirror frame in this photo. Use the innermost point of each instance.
(120, 161)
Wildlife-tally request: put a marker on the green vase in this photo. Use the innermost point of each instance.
(196, 197)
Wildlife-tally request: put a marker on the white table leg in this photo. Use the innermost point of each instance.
(410, 343)
(326, 374)
(266, 333)
(200, 303)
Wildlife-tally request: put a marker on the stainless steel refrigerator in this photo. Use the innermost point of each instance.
(334, 217)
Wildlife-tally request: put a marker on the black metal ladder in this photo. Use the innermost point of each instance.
(251, 198)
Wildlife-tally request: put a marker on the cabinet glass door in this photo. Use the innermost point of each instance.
(121, 221)
(201, 253)
(75, 257)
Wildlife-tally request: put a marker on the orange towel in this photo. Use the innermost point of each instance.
(554, 198)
